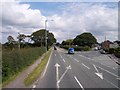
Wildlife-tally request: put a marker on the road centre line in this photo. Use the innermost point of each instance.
(79, 83)
(74, 59)
(85, 66)
(102, 68)
(62, 58)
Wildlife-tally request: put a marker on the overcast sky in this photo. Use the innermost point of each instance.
(70, 19)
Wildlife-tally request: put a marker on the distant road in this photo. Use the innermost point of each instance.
(80, 70)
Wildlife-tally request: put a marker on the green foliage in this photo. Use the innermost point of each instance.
(15, 61)
(68, 42)
(85, 39)
(39, 37)
(77, 48)
(111, 50)
(38, 70)
(117, 52)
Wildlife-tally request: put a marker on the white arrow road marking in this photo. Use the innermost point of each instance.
(98, 73)
(85, 66)
(108, 72)
(69, 67)
(118, 78)
(57, 74)
(79, 83)
(34, 86)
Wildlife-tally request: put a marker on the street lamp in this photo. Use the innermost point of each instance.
(46, 33)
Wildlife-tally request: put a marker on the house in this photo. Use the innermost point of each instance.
(114, 45)
(106, 44)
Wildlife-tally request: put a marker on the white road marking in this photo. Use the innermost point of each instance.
(46, 66)
(55, 54)
(95, 68)
(100, 67)
(111, 83)
(69, 67)
(57, 74)
(108, 71)
(79, 83)
(34, 86)
(85, 66)
(100, 75)
(74, 59)
(63, 60)
(118, 78)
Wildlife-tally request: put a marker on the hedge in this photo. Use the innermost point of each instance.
(15, 61)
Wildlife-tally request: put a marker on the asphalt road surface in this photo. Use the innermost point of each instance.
(80, 70)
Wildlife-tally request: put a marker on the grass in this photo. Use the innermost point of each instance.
(38, 70)
(14, 62)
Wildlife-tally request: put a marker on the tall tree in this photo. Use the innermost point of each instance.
(85, 39)
(39, 37)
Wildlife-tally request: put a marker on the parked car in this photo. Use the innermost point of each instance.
(102, 51)
(71, 51)
(55, 48)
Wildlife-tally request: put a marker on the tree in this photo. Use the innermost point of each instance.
(68, 42)
(10, 39)
(85, 39)
(21, 40)
(11, 42)
(39, 38)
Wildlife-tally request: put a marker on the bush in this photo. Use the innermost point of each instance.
(111, 50)
(86, 48)
(16, 60)
(117, 52)
(77, 48)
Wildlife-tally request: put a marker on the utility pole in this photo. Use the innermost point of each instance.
(46, 35)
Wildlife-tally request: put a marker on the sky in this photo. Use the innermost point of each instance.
(69, 19)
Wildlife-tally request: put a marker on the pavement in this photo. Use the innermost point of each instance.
(18, 82)
(83, 70)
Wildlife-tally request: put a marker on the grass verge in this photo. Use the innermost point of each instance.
(38, 70)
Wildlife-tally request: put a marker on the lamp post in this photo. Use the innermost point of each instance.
(46, 33)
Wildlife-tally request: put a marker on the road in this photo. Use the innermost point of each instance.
(80, 70)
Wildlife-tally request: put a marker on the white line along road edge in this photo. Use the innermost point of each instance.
(47, 65)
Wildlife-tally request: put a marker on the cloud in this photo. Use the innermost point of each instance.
(21, 18)
(101, 19)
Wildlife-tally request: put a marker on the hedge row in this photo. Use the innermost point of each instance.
(16, 60)
(77, 48)
(115, 51)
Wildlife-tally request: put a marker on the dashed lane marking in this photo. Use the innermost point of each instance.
(79, 83)
(85, 66)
